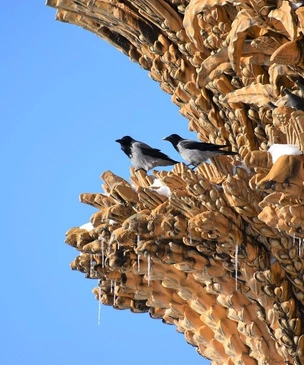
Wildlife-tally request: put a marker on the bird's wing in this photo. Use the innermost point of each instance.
(154, 152)
(143, 146)
(201, 146)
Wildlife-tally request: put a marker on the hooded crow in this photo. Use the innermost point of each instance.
(196, 152)
(143, 156)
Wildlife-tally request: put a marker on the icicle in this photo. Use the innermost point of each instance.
(299, 247)
(114, 290)
(102, 252)
(111, 287)
(149, 268)
(294, 241)
(138, 256)
(236, 265)
(91, 265)
(189, 236)
(99, 304)
(138, 262)
(118, 245)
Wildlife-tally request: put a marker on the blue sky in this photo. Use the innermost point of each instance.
(66, 96)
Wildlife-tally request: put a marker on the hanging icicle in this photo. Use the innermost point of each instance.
(297, 241)
(138, 255)
(236, 265)
(189, 236)
(102, 252)
(114, 291)
(138, 262)
(300, 247)
(91, 266)
(149, 268)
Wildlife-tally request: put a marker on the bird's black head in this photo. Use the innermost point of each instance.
(125, 141)
(173, 138)
(126, 144)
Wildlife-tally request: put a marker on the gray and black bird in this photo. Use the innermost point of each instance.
(195, 152)
(143, 156)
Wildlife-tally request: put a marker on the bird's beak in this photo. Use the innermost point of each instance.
(118, 140)
(165, 139)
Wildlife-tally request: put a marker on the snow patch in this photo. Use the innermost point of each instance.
(241, 165)
(156, 184)
(88, 226)
(278, 150)
(164, 190)
(160, 188)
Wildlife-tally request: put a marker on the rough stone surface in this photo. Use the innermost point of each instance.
(221, 254)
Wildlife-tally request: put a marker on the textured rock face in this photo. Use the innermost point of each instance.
(217, 251)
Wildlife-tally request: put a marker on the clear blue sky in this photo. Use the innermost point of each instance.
(66, 95)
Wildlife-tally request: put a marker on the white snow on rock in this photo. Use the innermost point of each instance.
(88, 226)
(240, 165)
(164, 190)
(160, 188)
(111, 221)
(278, 150)
(156, 184)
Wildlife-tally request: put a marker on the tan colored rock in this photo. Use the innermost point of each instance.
(286, 175)
(221, 256)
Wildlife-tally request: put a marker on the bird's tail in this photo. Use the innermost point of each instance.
(232, 153)
(169, 162)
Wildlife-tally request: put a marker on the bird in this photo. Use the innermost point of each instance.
(195, 152)
(143, 156)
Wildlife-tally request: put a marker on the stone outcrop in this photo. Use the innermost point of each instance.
(217, 251)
